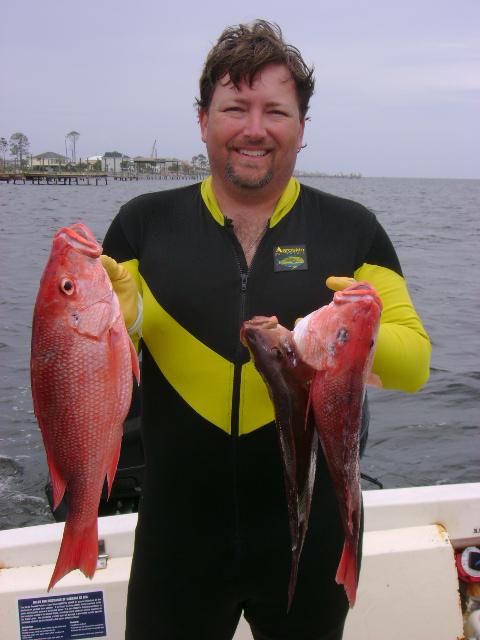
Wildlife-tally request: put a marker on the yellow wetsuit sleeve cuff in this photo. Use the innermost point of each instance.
(135, 330)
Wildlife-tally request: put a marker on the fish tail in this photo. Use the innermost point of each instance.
(347, 572)
(79, 550)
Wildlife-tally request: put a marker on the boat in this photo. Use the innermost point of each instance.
(421, 550)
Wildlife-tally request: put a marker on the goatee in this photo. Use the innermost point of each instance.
(245, 183)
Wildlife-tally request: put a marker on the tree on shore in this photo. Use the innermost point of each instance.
(19, 145)
(3, 149)
(200, 162)
(72, 138)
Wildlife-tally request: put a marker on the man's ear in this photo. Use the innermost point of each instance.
(203, 121)
(300, 135)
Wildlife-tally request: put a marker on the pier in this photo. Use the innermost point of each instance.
(58, 178)
(124, 177)
(12, 177)
(64, 178)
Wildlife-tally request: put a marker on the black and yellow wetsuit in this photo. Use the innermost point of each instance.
(213, 535)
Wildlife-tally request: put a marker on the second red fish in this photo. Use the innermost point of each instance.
(338, 341)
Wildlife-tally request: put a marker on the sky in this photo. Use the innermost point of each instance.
(397, 83)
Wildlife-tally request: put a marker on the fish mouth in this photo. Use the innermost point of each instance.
(250, 330)
(79, 237)
(358, 291)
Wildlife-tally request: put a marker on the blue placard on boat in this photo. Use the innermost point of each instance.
(71, 616)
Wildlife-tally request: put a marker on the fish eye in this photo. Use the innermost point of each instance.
(66, 286)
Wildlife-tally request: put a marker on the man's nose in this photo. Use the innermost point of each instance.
(255, 125)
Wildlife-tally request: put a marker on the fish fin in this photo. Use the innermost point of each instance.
(56, 478)
(58, 483)
(135, 366)
(93, 321)
(374, 380)
(347, 572)
(113, 467)
(79, 550)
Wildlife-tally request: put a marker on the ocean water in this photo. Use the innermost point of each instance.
(431, 437)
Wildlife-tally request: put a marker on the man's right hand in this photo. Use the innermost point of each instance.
(125, 287)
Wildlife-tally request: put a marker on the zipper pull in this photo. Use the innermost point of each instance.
(244, 277)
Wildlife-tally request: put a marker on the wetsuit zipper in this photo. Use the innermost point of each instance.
(245, 272)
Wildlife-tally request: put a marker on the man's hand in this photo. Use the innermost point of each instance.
(125, 287)
(339, 283)
(336, 283)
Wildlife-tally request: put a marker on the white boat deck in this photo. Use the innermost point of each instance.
(408, 587)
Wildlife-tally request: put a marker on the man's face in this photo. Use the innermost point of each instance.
(253, 133)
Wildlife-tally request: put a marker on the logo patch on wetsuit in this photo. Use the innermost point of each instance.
(291, 257)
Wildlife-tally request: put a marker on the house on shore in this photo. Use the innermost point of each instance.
(48, 159)
(156, 165)
(114, 161)
(94, 162)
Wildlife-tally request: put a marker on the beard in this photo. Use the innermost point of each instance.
(246, 183)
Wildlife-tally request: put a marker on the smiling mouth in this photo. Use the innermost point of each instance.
(251, 153)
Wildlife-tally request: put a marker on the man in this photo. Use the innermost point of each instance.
(213, 537)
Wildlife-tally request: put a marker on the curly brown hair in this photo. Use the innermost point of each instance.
(244, 50)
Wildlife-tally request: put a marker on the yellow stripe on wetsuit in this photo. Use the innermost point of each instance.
(202, 377)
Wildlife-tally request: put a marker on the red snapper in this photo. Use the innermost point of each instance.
(338, 341)
(81, 371)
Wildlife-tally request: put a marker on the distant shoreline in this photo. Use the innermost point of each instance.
(322, 174)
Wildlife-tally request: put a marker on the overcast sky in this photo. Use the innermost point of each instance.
(397, 83)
